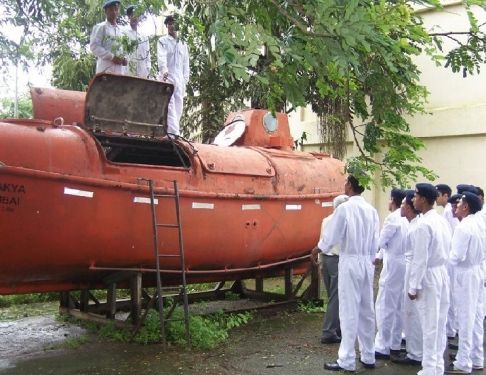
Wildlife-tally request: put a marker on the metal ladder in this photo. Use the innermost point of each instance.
(183, 289)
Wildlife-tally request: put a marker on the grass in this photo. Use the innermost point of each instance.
(206, 332)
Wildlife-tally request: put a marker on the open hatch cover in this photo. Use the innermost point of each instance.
(122, 105)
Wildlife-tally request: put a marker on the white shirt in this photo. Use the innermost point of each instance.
(467, 248)
(173, 58)
(104, 45)
(410, 239)
(139, 60)
(431, 244)
(335, 249)
(354, 227)
(393, 234)
(453, 221)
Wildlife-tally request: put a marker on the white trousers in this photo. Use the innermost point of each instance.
(452, 324)
(356, 310)
(468, 297)
(433, 304)
(389, 309)
(174, 113)
(412, 330)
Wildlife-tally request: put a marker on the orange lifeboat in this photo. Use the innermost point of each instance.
(74, 198)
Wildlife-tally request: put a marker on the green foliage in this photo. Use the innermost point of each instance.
(311, 307)
(299, 143)
(72, 343)
(7, 109)
(206, 331)
(19, 299)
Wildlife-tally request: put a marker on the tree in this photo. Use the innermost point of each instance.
(7, 107)
(352, 60)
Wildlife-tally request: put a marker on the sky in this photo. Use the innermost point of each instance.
(40, 77)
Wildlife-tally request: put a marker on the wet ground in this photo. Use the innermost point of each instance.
(273, 343)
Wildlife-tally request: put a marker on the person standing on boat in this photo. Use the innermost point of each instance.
(331, 331)
(173, 61)
(389, 312)
(139, 59)
(428, 285)
(354, 227)
(105, 41)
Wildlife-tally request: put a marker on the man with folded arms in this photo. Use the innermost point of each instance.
(429, 282)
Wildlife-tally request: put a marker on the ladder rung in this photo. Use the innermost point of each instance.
(164, 195)
(169, 255)
(168, 225)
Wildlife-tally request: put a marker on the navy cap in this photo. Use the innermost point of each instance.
(169, 19)
(110, 3)
(427, 191)
(130, 10)
(464, 187)
(472, 201)
(454, 199)
(443, 188)
(397, 195)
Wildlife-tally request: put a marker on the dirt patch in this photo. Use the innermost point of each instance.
(284, 343)
(30, 337)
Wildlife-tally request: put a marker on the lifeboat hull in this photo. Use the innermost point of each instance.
(73, 211)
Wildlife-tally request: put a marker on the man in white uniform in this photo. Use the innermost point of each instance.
(444, 193)
(173, 60)
(411, 327)
(331, 330)
(354, 227)
(389, 313)
(429, 281)
(467, 256)
(138, 60)
(105, 41)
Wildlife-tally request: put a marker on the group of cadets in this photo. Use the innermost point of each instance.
(432, 283)
(109, 40)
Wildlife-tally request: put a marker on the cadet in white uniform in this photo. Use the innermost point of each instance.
(412, 330)
(104, 44)
(173, 59)
(389, 312)
(429, 281)
(444, 192)
(139, 60)
(467, 256)
(354, 227)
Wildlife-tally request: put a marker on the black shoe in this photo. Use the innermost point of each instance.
(367, 365)
(406, 360)
(452, 346)
(331, 340)
(451, 369)
(379, 355)
(334, 366)
(395, 353)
